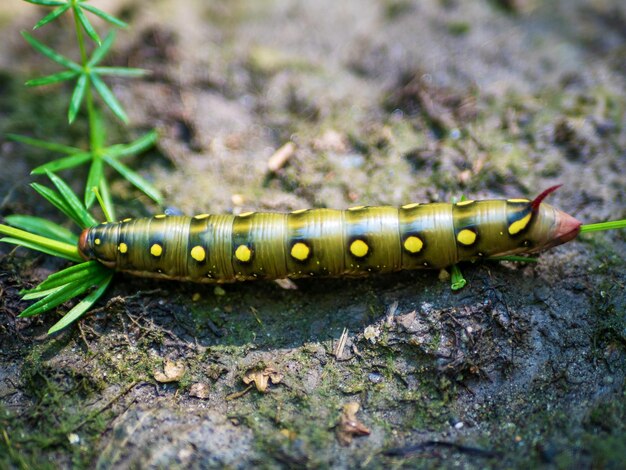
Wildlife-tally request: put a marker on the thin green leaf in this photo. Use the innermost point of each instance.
(52, 15)
(44, 144)
(39, 243)
(93, 180)
(38, 295)
(54, 78)
(135, 179)
(599, 227)
(67, 292)
(50, 54)
(105, 16)
(81, 307)
(56, 200)
(106, 202)
(43, 227)
(100, 51)
(73, 201)
(62, 163)
(41, 248)
(109, 98)
(45, 3)
(82, 19)
(136, 146)
(68, 275)
(77, 97)
(457, 281)
(121, 71)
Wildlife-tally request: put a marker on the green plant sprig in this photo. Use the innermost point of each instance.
(87, 75)
(50, 238)
(601, 226)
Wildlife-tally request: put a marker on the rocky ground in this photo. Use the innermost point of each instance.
(378, 102)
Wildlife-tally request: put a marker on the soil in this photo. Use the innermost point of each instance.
(384, 102)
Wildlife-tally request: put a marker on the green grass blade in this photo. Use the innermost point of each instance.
(46, 3)
(52, 15)
(109, 98)
(610, 225)
(457, 281)
(39, 243)
(62, 163)
(28, 295)
(54, 78)
(44, 144)
(136, 146)
(65, 293)
(135, 179)
(101, 50)
(50, 54)
(44, 249)
(121, 71)
(105, 16)
(77, 97)
(82, 19)
(68, 275)
(73, 201)
(57, 201)
(93, 180)
(106, 202)
(81, 307)
(43, 227)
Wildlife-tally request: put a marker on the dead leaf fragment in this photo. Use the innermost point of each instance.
(280, 158)
(199, 390)
(349, 426)
(261, 378)
(172, 372)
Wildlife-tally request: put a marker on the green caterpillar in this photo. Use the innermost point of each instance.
(326, 242)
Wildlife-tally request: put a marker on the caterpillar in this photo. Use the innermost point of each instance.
(326, 242)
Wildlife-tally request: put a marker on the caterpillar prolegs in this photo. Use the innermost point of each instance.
(326, 242)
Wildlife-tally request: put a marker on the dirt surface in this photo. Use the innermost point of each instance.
(384, 102)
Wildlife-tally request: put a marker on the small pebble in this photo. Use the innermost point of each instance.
(375, 377)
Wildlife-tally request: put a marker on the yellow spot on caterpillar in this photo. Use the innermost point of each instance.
(356, 208)
(413, 244)
(466, 237)
(411, 206)
(243, 253)
(127, 220)
(200, 216)
(299, 211)
(246, 214)
(122, 247)
(300, 251)
(359, 248)
(160, 216)
(517, 200)
(97, 241)
(156, 250)
(464, 203)
(198, 253)
(519, 225)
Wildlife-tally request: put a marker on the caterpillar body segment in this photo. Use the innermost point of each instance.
(325, 242)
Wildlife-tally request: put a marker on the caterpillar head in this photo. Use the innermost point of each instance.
(92, 247)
